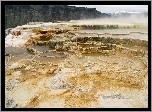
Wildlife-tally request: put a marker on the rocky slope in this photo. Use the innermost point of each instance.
(16, 15)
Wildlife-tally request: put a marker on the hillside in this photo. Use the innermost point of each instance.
(16, 15)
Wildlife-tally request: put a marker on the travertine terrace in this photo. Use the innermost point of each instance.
(70, 65)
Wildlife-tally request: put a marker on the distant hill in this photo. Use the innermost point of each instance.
(16, 15)
(129, 13)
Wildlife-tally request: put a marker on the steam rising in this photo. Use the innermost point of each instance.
(120, 20)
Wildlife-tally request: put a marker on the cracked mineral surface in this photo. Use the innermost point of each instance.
(66, 65)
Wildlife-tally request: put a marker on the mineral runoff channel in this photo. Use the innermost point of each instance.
(76, 65)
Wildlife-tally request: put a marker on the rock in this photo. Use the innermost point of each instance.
(42, 71)
(116, 96)
(12, 84)
(10, 102)
(59, 80)
(61, 86)
(81, 89)
(33, 73)
(17, 74)
(92, 69)
(14, 65)
(33, 51)
(16, 33)
(89, 70)
(29, 67)
(52, 70)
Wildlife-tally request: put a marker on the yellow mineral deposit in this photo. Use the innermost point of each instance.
(70, 67)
